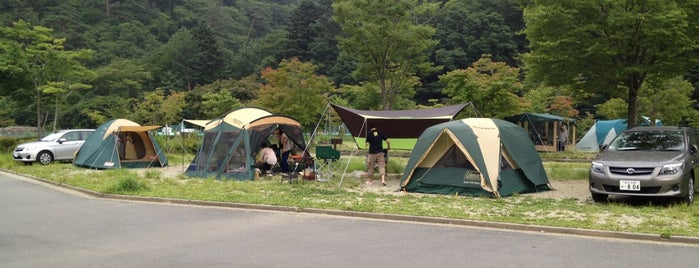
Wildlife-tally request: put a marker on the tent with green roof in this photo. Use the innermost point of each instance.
(474, 156)
(121, 143)
(231, 143)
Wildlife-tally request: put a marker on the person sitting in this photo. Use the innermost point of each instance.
(266, 159)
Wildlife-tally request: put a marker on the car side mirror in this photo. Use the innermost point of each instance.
(61, 140)
(694, 149)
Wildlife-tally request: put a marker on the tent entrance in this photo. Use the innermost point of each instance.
(451, 173)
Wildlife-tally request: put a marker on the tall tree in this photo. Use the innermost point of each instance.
(390, 40)
(311, 34)
(294, 89)
(612, 45)
(40, 57)
(490, 86)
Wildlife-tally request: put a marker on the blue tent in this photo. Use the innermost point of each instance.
(603, 131)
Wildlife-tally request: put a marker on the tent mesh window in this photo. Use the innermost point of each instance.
(453, 157)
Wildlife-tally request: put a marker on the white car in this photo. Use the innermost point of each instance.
(57, 146)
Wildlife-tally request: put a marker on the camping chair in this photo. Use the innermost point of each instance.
(327, 157)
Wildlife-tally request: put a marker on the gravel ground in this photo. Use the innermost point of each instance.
(562, 189)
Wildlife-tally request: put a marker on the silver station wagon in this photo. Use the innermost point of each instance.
(60, 145)
(647, 161)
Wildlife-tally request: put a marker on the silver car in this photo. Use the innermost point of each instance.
(647, 161)
(60, 145)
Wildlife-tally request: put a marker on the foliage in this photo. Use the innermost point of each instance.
(388, 40)
(468, 29)
(40, 58)
(668, 100)
(562, 106)
(150, 111)
(490, 86)
(612, 109)
(610, 45)
(294, 90)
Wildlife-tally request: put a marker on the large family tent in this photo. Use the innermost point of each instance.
(474, 156)
(402, 127)
(602, 132)
(230, 143)
(121, 143)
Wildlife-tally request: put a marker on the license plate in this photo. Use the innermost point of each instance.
(626, 185)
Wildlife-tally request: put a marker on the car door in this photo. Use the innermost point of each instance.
(67, 145)
(694, 147)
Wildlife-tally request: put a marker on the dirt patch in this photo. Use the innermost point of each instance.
(562, 189)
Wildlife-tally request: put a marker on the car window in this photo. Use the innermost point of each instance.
(649, 140)
(72, 136)
(52, 137)
(85, 134)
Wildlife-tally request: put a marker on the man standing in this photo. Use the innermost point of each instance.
(285, 146)
(375, 139)
(562, 137)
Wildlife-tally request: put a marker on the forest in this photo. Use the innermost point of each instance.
(80, 63)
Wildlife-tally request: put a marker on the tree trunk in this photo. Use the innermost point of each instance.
(634, 85)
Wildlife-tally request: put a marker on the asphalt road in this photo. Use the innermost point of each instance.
(47, 226)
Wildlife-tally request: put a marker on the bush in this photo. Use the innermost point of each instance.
(7, 144)
(128, 185)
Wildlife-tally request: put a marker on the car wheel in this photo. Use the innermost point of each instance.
(44, 157)
(689, 198)
(599, 197)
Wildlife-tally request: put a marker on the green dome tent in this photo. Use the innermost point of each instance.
(120, 143)
(231, 142)
(474, 156)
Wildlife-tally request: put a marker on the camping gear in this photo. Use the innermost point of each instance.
(394, 123)
(231, 143)
(121, 143)
(474, 156)
(542, 129)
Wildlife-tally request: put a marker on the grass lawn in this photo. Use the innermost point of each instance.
(652, 217)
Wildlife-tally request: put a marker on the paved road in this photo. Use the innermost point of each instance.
(45, 226)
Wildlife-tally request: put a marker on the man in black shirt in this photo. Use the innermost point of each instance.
(375, 139)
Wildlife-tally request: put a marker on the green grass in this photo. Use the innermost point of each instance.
(665, 219)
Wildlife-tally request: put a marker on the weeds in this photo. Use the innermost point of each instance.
(617, 215)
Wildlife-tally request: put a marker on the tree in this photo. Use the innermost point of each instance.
(158, 109)
(390, 41)
(668, 100)
(610, 45)
(295, 90)
(489, 85)
(219, 102)
(613, 108)
(311, 34)
(467, 29)
(39, 57)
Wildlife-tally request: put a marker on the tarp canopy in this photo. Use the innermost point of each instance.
(121, 143)
(402, 127)
(231, 143)
(474, 156)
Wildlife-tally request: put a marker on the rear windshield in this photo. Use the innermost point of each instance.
(648, 141)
